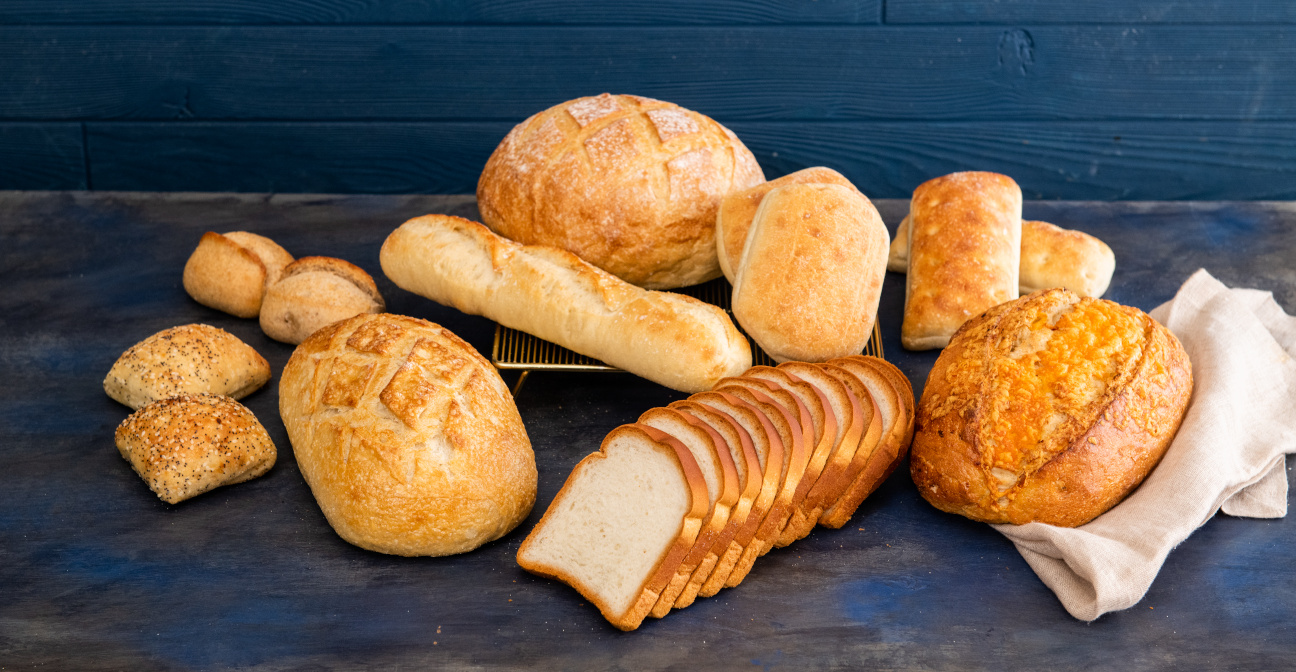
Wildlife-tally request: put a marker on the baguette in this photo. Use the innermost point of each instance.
(670, 339)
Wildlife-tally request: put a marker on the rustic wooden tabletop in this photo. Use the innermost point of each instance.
(97, 573)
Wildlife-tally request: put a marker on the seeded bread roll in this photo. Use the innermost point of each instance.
(189, 359)
(738, 209)
(964, 254)
(315, 292)
(627, 183)
(1050, 409)
(811, 272)
(186, 445)
(407, 437)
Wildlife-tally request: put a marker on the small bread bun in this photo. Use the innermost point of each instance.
(1050, 408)
(189, 359)
(231, 271)
(629, 184)
(192, 443)
(407, 437)
(738, 209)
(810, 277)
(315, 292)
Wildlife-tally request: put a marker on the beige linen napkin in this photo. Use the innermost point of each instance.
(1228, 453)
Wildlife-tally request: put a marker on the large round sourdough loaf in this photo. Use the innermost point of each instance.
(627, 183)
(407, 437)
(1050, 408)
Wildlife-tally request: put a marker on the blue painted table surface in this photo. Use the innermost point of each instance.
(97, 573)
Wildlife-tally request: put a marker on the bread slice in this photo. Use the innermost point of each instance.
(888, 451)
(826, 436)
(712, 455)
(797, 414)
(790, 435)
(902, 385)
(872, 434)
(748, 466)
(768, 444)
(621, 524)
(853, 422)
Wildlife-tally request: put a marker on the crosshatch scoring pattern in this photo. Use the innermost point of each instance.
(1138, 99)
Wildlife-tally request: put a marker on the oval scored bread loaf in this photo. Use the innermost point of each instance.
(668, 338)
(407, 437)
(1050, 409)
(627, 183)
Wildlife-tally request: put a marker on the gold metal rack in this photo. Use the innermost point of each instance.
(519, 351)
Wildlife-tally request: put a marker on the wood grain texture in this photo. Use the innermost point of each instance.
(1098, 11)
(963, 73)
(42, 156)
(389, 158)
(1077, 160)
(100, 575)
(533, 12)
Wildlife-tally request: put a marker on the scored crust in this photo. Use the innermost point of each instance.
(627, 183)
(408, 438)
(1103, 388)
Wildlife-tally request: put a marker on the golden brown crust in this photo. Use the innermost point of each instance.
(810, 276)
(964, 254)
(186, 445)
(189, 359)
(627, 183)
(225, 275)
(315, 292)
(273, 257)
(669, 338)
(407, 437)
(1051, 409)
(1050, 257)
(738, 209)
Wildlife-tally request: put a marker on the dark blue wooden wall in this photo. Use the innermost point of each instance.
(1093, 99)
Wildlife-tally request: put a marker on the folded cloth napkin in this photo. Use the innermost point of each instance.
(1229, 453)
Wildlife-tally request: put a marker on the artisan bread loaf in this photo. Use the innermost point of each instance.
(810, 276)
(407, 437)
(738, 209)
(621, 524)
(1051, 256)
(231, 272)
(1049, 409)
(315, 292)
(189, 444)
(964, 254)
(189, 359)
(668, 338)
(627, 183)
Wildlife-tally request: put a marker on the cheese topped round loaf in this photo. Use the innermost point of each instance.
(1050, 408)
(627, 183)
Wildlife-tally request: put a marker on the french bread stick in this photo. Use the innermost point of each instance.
(670, 339)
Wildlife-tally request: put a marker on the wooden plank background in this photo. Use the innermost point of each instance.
(1100, 100)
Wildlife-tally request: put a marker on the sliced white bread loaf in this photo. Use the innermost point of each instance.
(621, 524)
(717, 467)
(770, 450)
(853, 421)
(885, 456)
